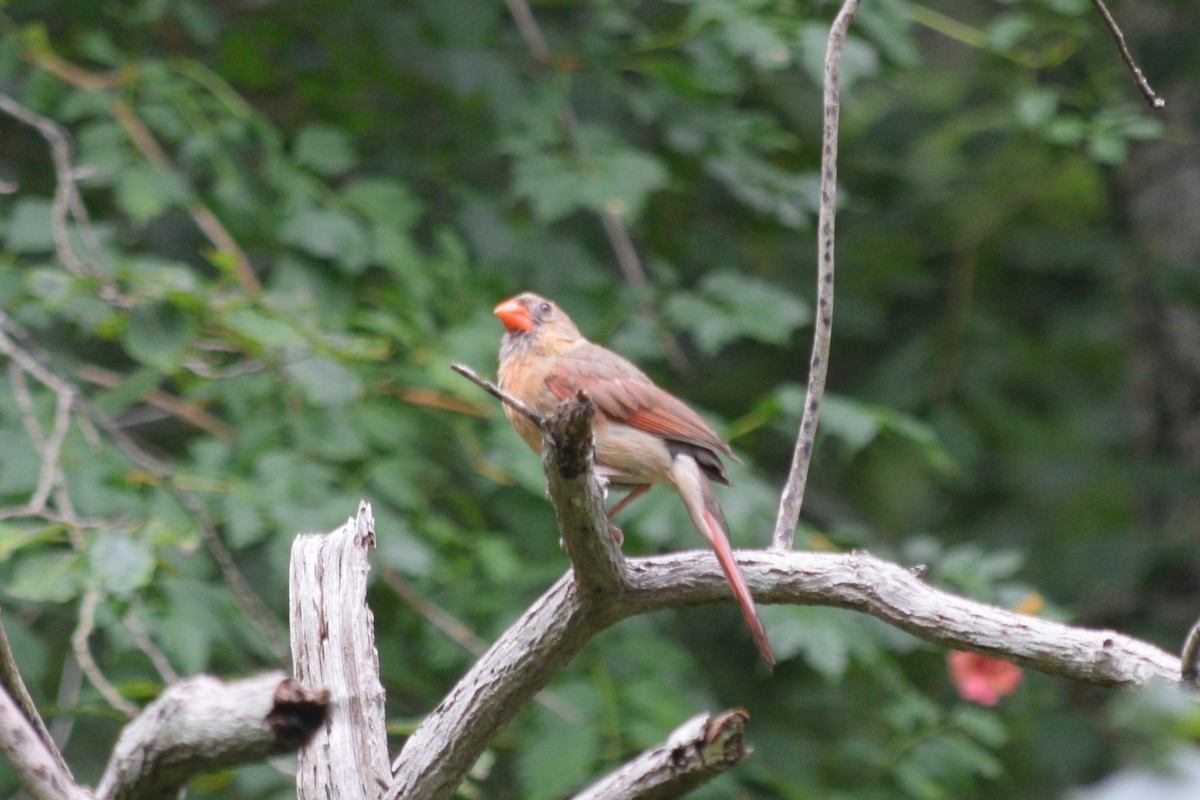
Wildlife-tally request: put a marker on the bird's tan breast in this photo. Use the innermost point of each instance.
(523, 374)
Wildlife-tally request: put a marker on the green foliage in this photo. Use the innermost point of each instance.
(389, 172)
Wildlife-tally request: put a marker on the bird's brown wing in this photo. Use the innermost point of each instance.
(622, 393)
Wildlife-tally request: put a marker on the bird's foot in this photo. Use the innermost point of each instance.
(617, 534)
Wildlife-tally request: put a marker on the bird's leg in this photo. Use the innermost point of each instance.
(638, 489)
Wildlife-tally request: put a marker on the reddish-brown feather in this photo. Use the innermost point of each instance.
(622, 393)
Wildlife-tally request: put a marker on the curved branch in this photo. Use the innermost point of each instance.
(893, 594)
(438, 754)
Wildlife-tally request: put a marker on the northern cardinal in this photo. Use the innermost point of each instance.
(643, 434)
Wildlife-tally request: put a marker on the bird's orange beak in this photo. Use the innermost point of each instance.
(514, 315)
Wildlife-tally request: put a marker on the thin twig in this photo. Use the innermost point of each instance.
(466, 638)
(83, 655)
(50, 453)
(141, 637)
(533, 416)
(50, 474)
(70, 684)
(202, 215)
(1139, 78)
(185, 410)
(530, 32)
(434, 614)
(793, 492)
(67, 203)
(256, 610)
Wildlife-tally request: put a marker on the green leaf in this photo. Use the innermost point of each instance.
(324, 149)
(20, 465)
(15, 537)
(53, 576)
(859, 424)
(328, 234)
(145, 192)
(603, 175)
(732, 306)
(262, 331)
(853, 423)
(197, 618)
(324, 382)
(384, 200)
(129, 391)
(765, 311)
(158, 334)
(791, 198)
(709, 324)
(560, 754)
(29, 229)
(119, 563)
(812, 633)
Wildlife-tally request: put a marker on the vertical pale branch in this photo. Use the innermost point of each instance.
(333, 646)
(793, 491)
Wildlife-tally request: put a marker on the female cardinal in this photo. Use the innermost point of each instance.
(643, 434)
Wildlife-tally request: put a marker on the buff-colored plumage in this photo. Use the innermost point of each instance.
(644, 435)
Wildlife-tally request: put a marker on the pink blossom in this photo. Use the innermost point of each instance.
(982, 679)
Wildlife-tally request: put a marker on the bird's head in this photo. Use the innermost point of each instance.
(530, 320)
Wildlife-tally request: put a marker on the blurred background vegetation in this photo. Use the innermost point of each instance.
(301, 213)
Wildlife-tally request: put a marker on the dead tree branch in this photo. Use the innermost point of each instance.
(201, 724)
(333, 645)
(42, 775)
(695, 753)
(438, 754)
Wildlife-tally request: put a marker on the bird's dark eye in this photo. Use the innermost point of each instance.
(544, 309)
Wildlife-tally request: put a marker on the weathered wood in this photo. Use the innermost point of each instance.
(333, 646)
(695, 753)
(201, 724)
(43, 776)
(891, 593)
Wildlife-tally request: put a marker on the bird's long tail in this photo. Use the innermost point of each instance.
(705, 511)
